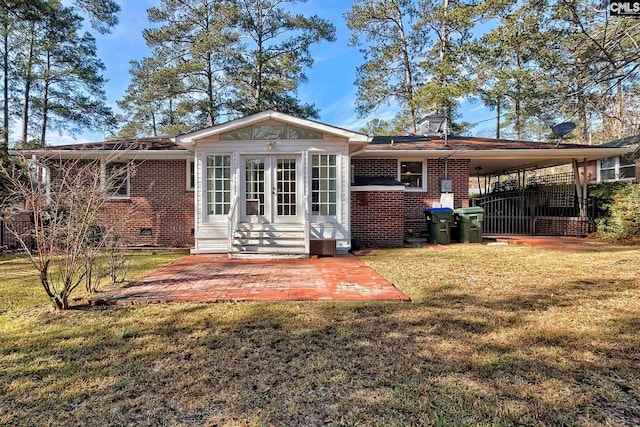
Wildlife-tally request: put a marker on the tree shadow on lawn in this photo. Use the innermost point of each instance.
(451, 359)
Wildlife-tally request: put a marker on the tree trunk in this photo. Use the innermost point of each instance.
(45, 101)
(517, 125)
(154, 124)
(210, 77)
(4, 144)
(27, 87)
(210, 118)
(498, 120)
(582, 117)
(408, 77)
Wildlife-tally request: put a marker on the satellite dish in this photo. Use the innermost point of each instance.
(562, 129)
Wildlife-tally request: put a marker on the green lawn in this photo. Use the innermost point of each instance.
(496, 335)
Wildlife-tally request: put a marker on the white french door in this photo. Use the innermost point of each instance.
(271, 189)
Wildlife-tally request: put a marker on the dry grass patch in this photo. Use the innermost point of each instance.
(495, 336)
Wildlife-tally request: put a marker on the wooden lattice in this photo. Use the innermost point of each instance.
(557, 196)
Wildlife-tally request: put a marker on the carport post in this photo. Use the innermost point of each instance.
(581, 189)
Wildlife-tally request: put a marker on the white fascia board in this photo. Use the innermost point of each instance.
(110, 155)
(567, 153)
(189, 140)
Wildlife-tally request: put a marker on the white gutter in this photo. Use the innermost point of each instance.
(110, 154)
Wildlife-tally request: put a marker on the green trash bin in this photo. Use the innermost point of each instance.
(470, 224)
(439, 220)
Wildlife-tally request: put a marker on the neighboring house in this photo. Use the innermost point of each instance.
(271, 182)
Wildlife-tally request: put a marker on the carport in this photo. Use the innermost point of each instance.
(522, 196)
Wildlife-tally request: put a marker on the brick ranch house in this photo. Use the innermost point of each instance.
(273, 183)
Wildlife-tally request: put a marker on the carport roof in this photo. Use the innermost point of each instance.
(488, 156)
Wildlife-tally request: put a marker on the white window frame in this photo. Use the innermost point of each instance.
(128, 179)
(191, 174)
(423, 185)
(616, 169)
(338, 178)
(213, 217)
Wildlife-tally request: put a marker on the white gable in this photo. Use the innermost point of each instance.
(192, 138)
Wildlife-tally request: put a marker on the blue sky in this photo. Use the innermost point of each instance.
(330, 86)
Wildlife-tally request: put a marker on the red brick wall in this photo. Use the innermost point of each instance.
(376, 219)
(592, 172)
(158, 201)
(375, 167)
(562, 227)
(412, 203)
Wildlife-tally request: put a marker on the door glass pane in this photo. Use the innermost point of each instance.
(254, 186)
(286, 187)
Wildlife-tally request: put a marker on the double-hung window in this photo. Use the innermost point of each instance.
(617, 168)
(412, 174)
(117, 179)
(191, 175)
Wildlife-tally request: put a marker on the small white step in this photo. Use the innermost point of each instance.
(264, 240)
(255, 234)
(244, 241)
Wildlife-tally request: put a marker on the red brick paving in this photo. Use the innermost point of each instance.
(216, 278)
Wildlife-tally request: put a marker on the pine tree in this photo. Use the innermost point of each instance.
(192, 43)
(391, 44)
(449, 73)
(596, 55)
(269, 65)
(511, 80)
(51, 74)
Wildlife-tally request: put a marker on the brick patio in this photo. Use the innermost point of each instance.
(216, 278)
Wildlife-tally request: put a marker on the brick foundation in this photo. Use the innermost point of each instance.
(558, 226)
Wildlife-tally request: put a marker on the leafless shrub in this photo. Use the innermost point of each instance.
(69, 226)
